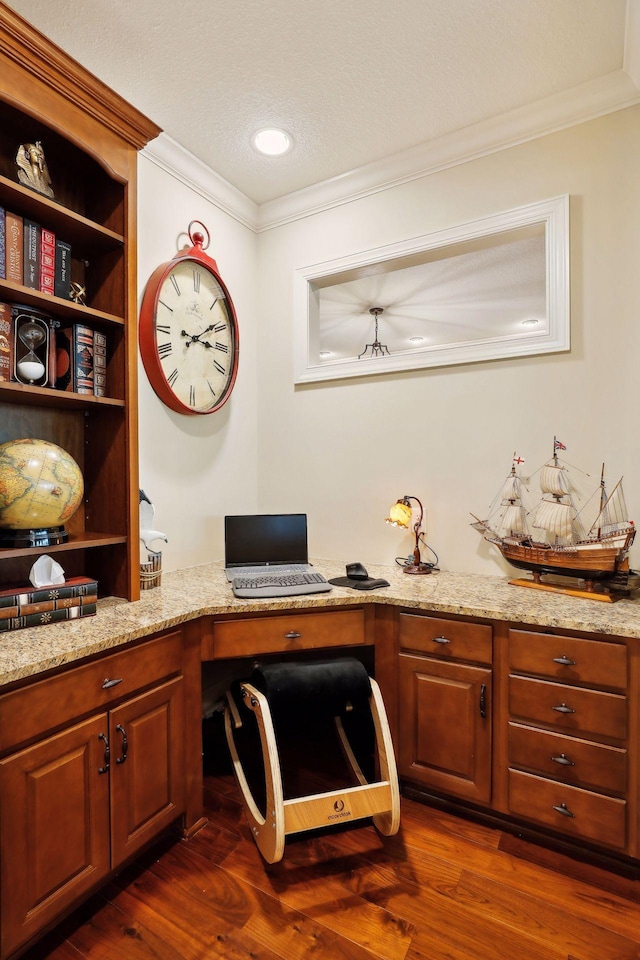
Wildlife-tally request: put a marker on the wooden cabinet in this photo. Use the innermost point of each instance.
(90, 138)
(445, 701)
(568, 735)
(80, 794)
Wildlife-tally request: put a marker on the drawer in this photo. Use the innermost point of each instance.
(568, 759)
(568, 810)
(571, 709)
(450, 639)
(294, 631)
(60, 699)
(569, 659)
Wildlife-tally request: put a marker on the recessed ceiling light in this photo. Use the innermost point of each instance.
(530, 323)
(416, 339)
(272, 142)
(326, 353)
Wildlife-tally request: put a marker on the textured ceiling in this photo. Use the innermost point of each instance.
(353, 81)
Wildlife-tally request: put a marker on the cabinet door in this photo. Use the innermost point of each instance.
(147, 767)
(54, 827)
(445, 726)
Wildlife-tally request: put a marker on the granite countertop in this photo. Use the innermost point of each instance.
(203, 591)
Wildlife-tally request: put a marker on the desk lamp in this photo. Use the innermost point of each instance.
(400, 516)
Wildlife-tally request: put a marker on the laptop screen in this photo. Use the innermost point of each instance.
(264, 539)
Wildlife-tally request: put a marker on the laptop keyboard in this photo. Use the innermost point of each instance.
(279, 585)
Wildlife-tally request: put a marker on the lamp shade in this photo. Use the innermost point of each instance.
(400, 514)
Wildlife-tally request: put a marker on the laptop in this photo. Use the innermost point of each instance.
(255, 545)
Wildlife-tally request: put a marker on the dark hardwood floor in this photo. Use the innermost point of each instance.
(444, 888)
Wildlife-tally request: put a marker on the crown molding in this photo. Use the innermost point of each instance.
(585, 102)
(175, 160)
(588, 101)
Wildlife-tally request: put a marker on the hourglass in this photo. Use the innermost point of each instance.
(33, 334)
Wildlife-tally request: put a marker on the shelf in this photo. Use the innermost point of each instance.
(66, 224)
(85, 541)
(11, 392)
(16, 293)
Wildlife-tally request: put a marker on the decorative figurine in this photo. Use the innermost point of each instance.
(32, 168)
(78, 294)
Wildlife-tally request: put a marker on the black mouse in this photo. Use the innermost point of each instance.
(355, 571)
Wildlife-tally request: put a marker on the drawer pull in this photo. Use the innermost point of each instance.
(441, 640)
(111, 683)
(564, 661)
(564, 810)
(564, 760)
(483, 701)
(125, 744)
(107, 754)
(292, 635)
(563, 708)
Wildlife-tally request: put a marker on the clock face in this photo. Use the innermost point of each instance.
(195, 338)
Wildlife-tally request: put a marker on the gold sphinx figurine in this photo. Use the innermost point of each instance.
(32, 168)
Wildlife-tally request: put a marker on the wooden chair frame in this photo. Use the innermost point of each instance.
(379, 800)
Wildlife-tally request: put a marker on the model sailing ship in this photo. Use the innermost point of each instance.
(561, 544)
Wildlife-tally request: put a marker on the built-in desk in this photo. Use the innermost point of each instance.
(520, 706)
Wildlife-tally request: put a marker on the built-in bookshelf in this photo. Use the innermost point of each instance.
(90, 137)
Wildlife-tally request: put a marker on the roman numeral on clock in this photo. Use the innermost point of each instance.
(196, 281)
(192, 396)
(166, 305)
(164, 350)
(222, 346)
(213, 393)
(220, 328)
(163, 329)
(175, 284)
(173, 376)
(219, 367)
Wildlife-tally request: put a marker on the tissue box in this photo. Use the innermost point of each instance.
(34, 606)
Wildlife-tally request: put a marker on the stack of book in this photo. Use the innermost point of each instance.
(34, 606)
(33, 256)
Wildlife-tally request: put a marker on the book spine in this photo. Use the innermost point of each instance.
(47, 261)
(64, 364)
(62, 275)
(83, 358)
(46, 606)
(31, 255)
(75, 587)
(99, 364)
(51, 616)
(3, 245)
(13, 248)
(5, 341)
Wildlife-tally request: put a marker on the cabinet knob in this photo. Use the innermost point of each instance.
(564, 760)
(483, 701)
(111, 683)
(441, 640)
(292, 635)
(563, 708)
(564, 810)
(564, 661)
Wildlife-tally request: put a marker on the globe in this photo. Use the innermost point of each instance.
(41, 487)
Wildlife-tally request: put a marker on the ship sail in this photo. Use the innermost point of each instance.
(513, 521)
(554, 480)
(613, 517)
(556, 518)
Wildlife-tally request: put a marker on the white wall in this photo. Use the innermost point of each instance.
(344, 451)
(195, 469)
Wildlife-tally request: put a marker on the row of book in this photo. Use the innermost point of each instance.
(34, 606)
(73, 357)
(33, 256)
